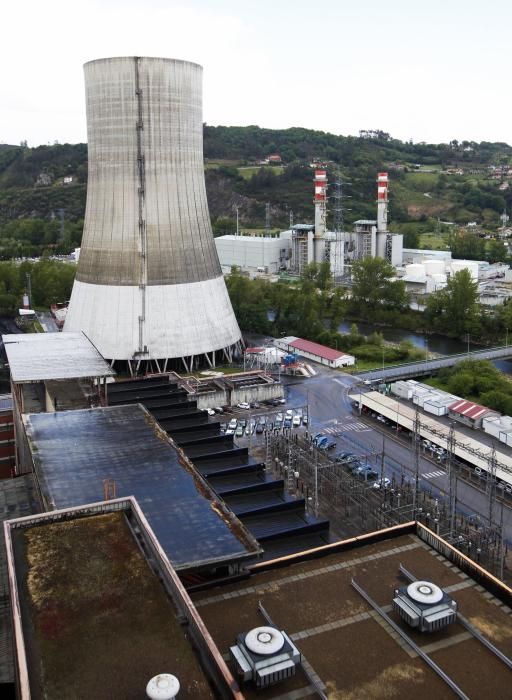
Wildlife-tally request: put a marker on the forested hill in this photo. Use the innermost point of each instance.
(43, 189)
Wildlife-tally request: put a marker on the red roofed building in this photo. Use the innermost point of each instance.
(315, 352)
(469, 413)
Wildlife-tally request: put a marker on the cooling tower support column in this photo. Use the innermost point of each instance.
(149, 289)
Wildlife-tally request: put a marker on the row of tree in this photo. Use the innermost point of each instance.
(50, 281)
(314, 309)
(479, 381)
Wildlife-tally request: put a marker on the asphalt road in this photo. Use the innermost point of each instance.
(331, 412)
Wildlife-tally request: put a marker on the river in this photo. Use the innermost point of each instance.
(435, 343)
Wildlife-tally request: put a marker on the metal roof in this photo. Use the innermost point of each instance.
(74, 452)
(34, 357)
(316, 349)
(468, 409)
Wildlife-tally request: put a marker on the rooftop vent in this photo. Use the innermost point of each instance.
(163, 687)
(424, 605)
(265, 656)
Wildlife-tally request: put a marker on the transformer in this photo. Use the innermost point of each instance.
(425, 606)
(149, 286)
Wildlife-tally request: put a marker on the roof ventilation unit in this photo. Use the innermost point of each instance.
(165, 686)
(265, 655)
(425, 606)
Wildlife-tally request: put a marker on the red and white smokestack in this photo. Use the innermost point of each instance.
(382, 202)
(320, 214)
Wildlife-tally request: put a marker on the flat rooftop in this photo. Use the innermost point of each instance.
(355, 654)
(34, 357)
(74, 452)
(96, 620)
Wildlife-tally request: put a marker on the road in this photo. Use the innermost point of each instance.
(331, 412)
(47, 321)
(411, 370)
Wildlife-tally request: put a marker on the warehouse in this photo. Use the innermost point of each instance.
(316, 352)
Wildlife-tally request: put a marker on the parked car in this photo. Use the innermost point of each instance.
(243, 405)
(383, 483)
(239, 431)
(296, 421)
(323, 440)
(210, 411)
(229, 431)
(367, 473)
(305, 419)
(318, 436)
(232, 424)
(260, 428)
(287, 423)
(326, 444)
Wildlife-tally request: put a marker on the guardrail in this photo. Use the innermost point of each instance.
(427, 366)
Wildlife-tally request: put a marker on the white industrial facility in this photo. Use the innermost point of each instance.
(149, 287)
(253, 254)
(303, 244)
(427, 271)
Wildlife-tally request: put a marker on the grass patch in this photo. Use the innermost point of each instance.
(247, 171)
(433, 241)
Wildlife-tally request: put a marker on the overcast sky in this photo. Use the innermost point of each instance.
(433, 71)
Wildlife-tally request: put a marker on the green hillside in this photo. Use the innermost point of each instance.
(43, 190)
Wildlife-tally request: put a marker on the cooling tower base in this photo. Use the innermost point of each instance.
(182, 321)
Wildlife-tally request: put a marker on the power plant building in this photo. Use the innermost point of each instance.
(149, 286)
(253, 254)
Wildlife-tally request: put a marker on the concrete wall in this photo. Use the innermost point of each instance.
(224, 393)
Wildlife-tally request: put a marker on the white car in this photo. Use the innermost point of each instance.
(243, 405)
(383, 483)
(232, 424)
(296, 421)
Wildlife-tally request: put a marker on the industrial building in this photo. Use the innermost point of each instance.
(304, 243)
(253, 254)
(315, 351)
(149, 288)
(337, 616)
(177, 552)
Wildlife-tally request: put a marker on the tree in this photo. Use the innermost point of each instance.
(455, 309)
(375, 288)
(496, 251)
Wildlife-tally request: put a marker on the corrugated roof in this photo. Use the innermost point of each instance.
(34, 357)
(317, 349)
(468, 409)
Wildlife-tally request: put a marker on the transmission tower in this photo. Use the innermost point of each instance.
(338, 258)
(416, 437)
(452, 478)
(491, 484)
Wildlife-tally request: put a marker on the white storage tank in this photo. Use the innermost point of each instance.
(415, 270)
(470, 265)
(434, 267)
(439, 279)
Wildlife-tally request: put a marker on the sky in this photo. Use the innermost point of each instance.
(432, 71)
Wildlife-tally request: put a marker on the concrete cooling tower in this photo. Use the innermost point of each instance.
(149, 286)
